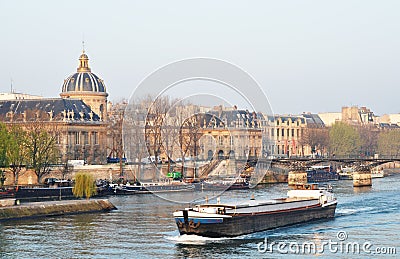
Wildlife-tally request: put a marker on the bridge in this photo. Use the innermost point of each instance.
(301, 163)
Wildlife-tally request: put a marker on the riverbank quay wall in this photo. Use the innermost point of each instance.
(54, 208)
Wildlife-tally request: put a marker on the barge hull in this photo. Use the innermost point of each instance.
(246, 224)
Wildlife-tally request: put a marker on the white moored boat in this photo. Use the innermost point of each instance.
(377, 173)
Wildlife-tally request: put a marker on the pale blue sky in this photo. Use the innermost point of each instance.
(307, 55)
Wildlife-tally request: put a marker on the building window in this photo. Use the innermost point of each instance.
(58, 141)
(96, 138)
(69, 140)
(298, 132)
(85, 138)
(220, 140)
(101, 110)
(283, 132)
(77, 140)
(287, 132)
(210, 140)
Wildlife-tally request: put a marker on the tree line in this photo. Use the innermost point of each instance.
(345, 140)
(32, 146)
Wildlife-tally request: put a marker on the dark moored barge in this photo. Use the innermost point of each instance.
(222, 185)
(53, 189)
(304, 203)
(156, 187)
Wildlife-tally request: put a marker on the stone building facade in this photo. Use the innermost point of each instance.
(78, 118)
(238, 135)
(283, 134)
(200, 132)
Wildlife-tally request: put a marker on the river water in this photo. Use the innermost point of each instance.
(143, 227)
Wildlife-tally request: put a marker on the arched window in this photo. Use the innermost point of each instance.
(220, 154)
(210, 154)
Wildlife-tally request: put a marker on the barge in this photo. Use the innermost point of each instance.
(306, 202)
(222, 185)
(153, 187)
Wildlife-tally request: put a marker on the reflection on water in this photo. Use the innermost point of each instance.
(362, 189)
(143, 227)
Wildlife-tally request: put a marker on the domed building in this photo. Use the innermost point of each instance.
(80, 116)
(88, 87)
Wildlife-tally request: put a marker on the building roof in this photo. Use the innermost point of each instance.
(239, 118)
(46, 109)
(314, 119)
(285, 118)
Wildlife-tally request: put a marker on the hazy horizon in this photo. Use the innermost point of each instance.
(307, 56)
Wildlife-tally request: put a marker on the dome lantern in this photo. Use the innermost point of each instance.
(83, 63)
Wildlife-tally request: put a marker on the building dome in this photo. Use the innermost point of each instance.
(86, 86)
(84, 80)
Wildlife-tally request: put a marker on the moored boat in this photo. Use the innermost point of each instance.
(377, 173)
(52, 189)
(238, 183)
(345, 173)
(321, 173)
(6, 193)
(38, 193)
(304, 203)
(152, 187)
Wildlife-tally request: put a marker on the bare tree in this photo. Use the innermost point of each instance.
(191, 132)
(170, 134)
(134, 133)
(156, 114)
(115, 130)
(41, 148)
(315, 137)
(65, 170)
(171, 130)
